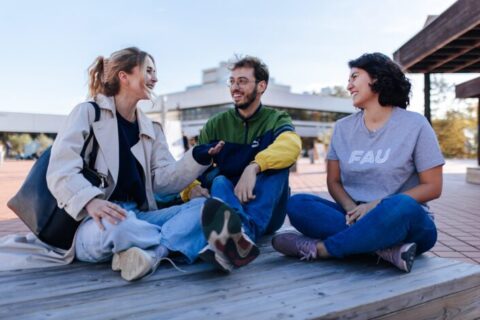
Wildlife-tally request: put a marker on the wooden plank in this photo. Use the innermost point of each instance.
(353, 297)
(463, 305)
(448, 58)
(468, 89)
(100, 276)
(463, 66)
(266, 285)
(458, 19)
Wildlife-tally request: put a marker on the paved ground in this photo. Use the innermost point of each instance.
(457, 211)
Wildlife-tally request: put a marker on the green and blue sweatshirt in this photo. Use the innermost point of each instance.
(267, 138)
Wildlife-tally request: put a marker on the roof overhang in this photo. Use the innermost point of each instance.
(448, 44)
(468, 89)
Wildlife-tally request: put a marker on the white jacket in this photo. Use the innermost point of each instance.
(163, 174)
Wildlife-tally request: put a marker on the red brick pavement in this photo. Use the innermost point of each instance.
(457, 211)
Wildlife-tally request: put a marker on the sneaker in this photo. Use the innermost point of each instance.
(136, 263)
(294, 244)
(207, 254)
(401, 256)
(222, 228)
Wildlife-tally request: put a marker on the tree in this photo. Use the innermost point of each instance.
(335, 91)
(44, 142)
(440, 92)
(19, 141)
(340, 92)
(451, 134)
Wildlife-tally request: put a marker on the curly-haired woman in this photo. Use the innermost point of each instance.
(384, 164)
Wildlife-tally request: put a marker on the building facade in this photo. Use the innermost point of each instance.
(312, 115)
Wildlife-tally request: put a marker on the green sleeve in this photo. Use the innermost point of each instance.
(204, 136)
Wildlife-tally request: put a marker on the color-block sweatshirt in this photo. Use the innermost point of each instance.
(266, 138)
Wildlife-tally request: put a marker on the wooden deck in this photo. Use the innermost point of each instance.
(272, 287)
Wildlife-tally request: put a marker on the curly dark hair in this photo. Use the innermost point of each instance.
(391, 84)
(260, 69)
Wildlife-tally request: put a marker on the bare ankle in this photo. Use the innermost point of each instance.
(322, 252)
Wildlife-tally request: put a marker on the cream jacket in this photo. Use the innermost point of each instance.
(163, 174)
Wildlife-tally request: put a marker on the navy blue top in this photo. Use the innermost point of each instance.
(130, 184)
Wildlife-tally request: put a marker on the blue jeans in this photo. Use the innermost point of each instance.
(178, 228)
(396, 219)
(264, 214)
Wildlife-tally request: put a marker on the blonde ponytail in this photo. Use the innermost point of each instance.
(96, 76)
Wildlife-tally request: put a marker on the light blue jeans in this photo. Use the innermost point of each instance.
(178, 228)
(396, 219)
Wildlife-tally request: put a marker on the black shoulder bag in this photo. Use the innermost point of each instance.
(38, 208)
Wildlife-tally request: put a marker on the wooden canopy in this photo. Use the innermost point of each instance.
(468, 89)
(450, 43)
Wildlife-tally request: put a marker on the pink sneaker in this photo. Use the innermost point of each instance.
(401, 256)
(294, 244)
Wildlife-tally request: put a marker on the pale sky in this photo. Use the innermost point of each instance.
(47, 46)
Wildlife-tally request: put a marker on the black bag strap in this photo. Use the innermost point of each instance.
(93, 154)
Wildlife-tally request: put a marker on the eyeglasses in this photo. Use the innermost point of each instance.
(241, 82)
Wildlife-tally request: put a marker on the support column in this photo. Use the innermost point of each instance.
(426, 90)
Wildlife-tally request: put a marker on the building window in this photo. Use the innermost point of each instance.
(202, 113)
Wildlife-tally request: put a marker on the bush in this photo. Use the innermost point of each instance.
(44, 142)
(19, 141)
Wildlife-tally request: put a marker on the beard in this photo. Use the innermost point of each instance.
(249, 100)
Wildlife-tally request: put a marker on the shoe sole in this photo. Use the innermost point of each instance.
(222, 228)
(408, 257)
(133, 264)
(209, 257)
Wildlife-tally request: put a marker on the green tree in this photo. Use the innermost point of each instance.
(451, 134)
(44, 141)
(335, 91)
(19, 141)
(340, 92)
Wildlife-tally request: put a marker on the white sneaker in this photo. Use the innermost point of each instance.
(401, 256)
(134, 263)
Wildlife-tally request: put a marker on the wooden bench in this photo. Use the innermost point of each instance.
(271, 287)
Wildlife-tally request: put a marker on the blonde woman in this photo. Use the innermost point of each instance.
(120, 218)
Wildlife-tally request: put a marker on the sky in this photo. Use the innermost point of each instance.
(48, 45)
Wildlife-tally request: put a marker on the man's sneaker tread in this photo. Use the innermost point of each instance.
(222, 228)
(234, 256)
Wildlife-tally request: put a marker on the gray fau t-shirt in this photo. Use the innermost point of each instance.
(377, 164)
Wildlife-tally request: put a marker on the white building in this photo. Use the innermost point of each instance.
(312, 115)
(16, 122)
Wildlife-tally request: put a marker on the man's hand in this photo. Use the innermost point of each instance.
(244, 188)
(360, 211)
(198, 192)
(216, 150)
(100, 209)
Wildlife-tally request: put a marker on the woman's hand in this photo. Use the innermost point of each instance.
(359, 211)
(198, 192)
(100, 209)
